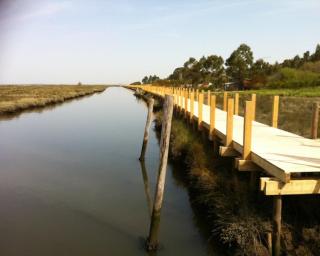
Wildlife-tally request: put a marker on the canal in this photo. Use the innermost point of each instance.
(71, 183)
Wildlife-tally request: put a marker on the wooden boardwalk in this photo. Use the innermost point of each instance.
(290, 161)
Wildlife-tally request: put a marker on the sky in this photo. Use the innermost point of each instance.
(118, 42)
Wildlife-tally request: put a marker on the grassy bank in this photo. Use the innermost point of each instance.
(17, 98)
(297, 92)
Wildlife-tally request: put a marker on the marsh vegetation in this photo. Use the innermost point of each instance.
(16, 98)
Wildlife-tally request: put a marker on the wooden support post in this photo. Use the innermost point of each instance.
(315, 121)
(254, 104)
(236, 104)
(212, 116)
(275, 111)
(191, 105)
(269, 243)
(225, 98)
(277, 207)
(200, 106)
(146, 129)
(152, 242)
(229, 132)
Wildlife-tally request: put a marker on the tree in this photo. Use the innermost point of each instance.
(316, 55)
(212, 70)
(136, 83)
(239, 64)
(145, 80)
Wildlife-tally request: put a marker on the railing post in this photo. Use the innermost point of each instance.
(275, 111)
(225, 98)
(315, 121)
(229, 132)
(200, 106)
(186, 95)
(191, 105)
(208, 97)
(254, 104)
(236, 104)
(212, 116)
(247, 130)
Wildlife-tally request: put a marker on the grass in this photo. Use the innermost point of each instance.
(292, 92)
(17, 98)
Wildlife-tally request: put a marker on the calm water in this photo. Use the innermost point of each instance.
(71, 184)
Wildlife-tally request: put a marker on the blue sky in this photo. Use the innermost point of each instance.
(52, 41)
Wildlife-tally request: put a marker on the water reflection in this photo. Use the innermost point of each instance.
(146, 186)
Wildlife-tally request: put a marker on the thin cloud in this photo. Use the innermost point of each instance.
(33, 10)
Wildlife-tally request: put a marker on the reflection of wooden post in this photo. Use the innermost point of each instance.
(277, 207)
(254, 103)
(247, 131)
(315, 121)
(191, 105)
(275, 111)
(212, 116)
(146, 130)
(146, 186)
(229, 133)
(200, 106)
(225, 98)
(152, 242)
(236, 104)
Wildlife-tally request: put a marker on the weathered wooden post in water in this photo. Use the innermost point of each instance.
(146, 130)
(152, 241)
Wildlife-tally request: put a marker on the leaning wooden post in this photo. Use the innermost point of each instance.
(236, 104)
(254, 103)
(277, 207)
(152, 242)
(200, 106)
(212, 116)
(229, 132)
(315, 121)
(225, 99)
(146, 130)
(191, 105)
(275, 111)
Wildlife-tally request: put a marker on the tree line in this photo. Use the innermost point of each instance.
(240, 68)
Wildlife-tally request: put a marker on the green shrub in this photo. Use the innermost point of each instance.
(293, 78)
